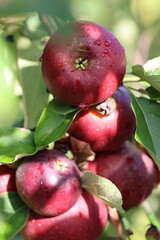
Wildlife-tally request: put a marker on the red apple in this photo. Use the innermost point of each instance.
(106, 132)
(131, 170)
(84, 221)
(83, 63)
(7, 179)
(48, 182)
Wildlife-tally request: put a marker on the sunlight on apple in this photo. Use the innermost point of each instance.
(92, 31)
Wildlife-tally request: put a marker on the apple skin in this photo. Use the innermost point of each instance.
(106, 132)
(84, 221)
(101, 67)
(7, 179)
(131, 170)
(48, 182)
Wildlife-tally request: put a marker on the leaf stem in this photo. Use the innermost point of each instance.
(134, 89)
(134, 81)
(126, 227)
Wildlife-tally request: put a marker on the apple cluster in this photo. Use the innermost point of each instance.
(83, 64)
(50, 184)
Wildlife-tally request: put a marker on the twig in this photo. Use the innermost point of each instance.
(115, 220)
(150, 214)
(46, 21)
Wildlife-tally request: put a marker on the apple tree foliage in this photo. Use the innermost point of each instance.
(45, 120)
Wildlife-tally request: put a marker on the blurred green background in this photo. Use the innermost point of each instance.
(23, 26)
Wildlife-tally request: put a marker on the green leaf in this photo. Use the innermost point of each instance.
(10, 110)
(148, 125)
(33, 28)
(35, 96)
(152, 67)
(13, 214)
(15, 141)
(152, 77)
(54, 122)
(153, 93)
(102, 188)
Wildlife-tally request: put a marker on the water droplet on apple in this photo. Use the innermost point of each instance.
(94, 28)
(106, 52)
(85, 108)
(80, 214)
(107, 43)
(97, 42)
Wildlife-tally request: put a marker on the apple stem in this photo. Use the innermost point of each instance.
(106, 107)
(81, 63)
